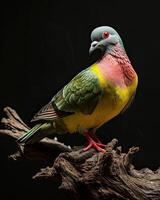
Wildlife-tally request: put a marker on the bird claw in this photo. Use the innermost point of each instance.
(94, 142)
(97, 146)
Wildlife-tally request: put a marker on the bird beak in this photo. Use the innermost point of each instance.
(93, 47)
(96, 46)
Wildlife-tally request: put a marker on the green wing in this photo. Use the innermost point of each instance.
(81, 94)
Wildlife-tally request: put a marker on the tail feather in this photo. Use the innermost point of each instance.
(27, 137)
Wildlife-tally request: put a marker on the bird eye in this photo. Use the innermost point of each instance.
(105, 35)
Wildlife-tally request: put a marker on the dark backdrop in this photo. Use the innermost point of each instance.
(45, 43)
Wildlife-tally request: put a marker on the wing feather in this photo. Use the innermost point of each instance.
(81, 94)
(49, 113)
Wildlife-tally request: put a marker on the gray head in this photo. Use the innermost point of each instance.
(104, 38)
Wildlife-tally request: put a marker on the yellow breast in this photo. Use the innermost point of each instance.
(111, 104)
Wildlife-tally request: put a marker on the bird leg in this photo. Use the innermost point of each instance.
(94, 142)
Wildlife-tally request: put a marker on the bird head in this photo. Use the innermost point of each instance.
(104, 38)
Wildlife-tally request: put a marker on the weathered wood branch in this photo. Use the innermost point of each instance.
(90, 175)
(15, 127)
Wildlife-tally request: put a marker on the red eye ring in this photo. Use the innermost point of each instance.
(105, 35)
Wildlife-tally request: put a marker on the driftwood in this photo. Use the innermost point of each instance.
(85, 175)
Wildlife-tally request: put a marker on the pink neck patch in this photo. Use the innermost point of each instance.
(116, 67)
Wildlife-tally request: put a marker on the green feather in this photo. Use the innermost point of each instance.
(75, 98)
(38, 132)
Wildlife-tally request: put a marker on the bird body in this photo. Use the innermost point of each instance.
(118, 89)
(94, 96)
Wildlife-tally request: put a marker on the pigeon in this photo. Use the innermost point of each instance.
(93, 97)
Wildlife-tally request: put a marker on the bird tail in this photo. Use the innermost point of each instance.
(33, 135)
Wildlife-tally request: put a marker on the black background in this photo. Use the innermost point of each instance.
(45, 43)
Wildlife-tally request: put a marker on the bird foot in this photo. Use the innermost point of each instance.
(95, 145)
